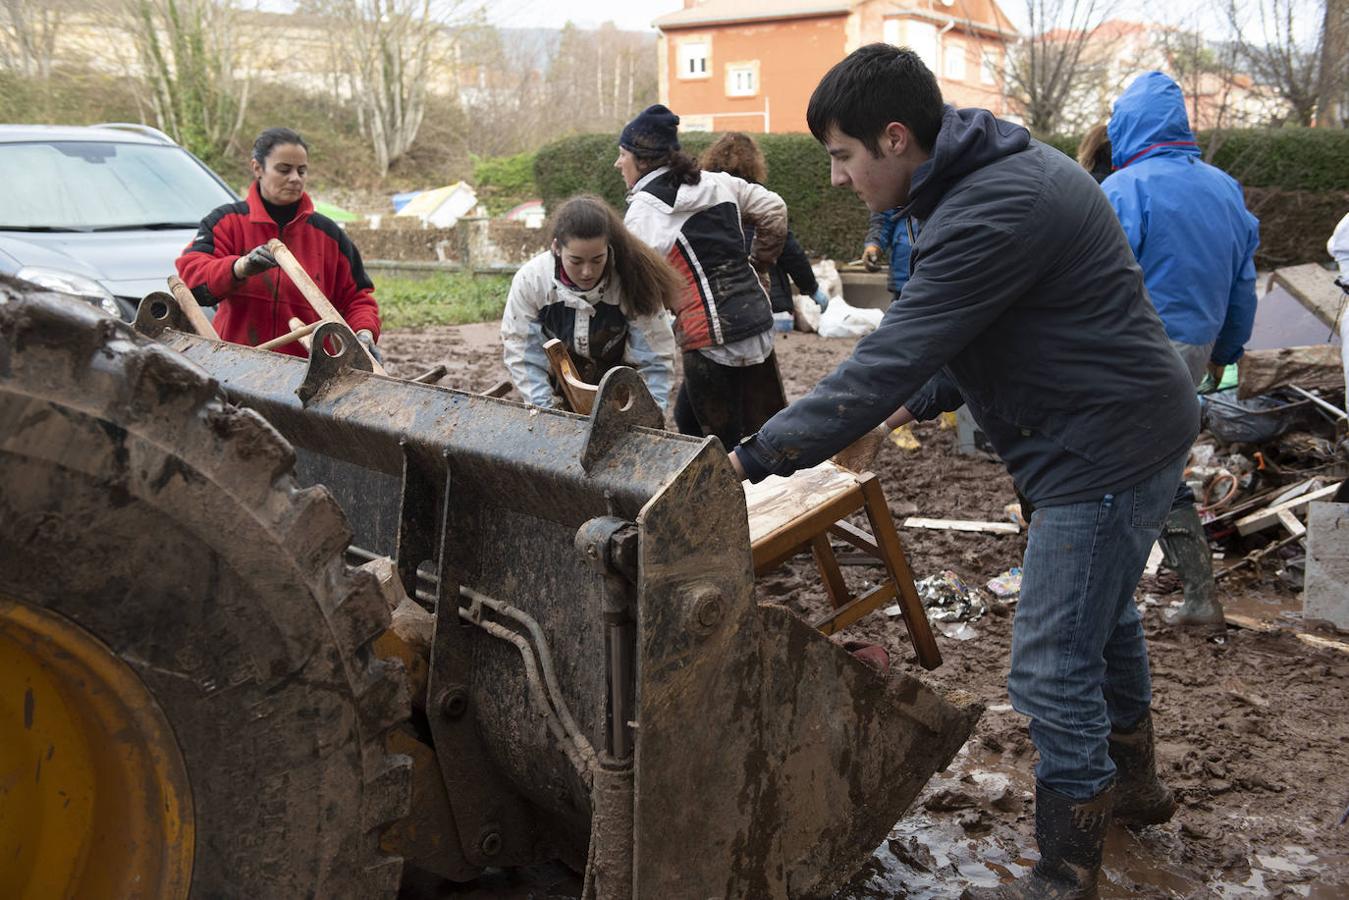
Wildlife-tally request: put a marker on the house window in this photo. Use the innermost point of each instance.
(988, 67)
(953, 55)
(890, 32)
(922, 39)
(742, 79)
(693, 59)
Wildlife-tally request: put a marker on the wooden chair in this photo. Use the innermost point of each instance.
(580, 396)
(789, 515)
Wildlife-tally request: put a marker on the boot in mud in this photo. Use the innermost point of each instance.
(1140, 797)
(1185, 551)
(1071, 834)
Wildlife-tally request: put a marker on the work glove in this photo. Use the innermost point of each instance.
(821, 298)
(367, 338)
(257, 261)
(871, 258)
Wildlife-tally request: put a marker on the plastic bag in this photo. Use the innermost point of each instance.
(843, 321)
(807, 314)
(1250, 421)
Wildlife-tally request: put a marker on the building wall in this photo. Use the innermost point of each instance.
(789, 58)
(793, 54)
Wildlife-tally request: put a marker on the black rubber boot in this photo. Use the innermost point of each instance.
(1071, 834)
(1140, 797)
(1185, 551)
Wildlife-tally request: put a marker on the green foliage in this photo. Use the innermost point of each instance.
(1302, 159)
(445, 298)
(503, 182)
(1290, 159)
(827, 221)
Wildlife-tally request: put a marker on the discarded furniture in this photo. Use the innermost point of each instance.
(789, 515)
(580, 396)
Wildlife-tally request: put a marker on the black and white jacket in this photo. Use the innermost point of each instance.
(697, 227)
(541, 306)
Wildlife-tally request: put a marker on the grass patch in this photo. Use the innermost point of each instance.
(444, 298)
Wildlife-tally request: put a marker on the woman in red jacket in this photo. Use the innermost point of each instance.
(228, 264)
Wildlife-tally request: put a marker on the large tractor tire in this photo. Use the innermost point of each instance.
(188, 696)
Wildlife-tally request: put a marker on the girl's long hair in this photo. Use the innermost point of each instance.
(648, 282)
(1094, 142)
(736, 154)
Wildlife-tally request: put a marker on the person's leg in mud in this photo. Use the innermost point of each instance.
(762, 394)
(685, 419)
(715, 398)
(1082, 565)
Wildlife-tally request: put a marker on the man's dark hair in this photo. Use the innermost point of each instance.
(872, 87)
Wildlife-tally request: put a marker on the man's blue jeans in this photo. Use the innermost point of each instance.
(1079, 658)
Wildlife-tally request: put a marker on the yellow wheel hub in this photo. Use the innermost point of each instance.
(94, 797)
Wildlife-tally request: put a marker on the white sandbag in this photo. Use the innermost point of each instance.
(826, 273)
(843, 321)
(807, 314)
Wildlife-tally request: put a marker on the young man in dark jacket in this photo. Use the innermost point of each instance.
(1025, 301)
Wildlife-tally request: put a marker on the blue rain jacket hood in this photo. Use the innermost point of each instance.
(1024, 303)
(1186, 221)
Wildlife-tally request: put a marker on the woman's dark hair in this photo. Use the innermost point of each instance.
(872, 87)
(648, 282)
(683, 167)
(737, 154)
(272, 138)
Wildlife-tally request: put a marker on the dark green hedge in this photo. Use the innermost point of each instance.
(831, 222)
(1290, 159)
(827, 221)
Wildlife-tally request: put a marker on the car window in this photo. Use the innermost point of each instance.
(85, 184)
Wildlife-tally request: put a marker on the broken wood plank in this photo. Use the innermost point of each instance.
(1290, 521)
(1313, 287)
(1314, 640)
(1269, 516)
(1317, 366)
(1250, 623)
(962, 525)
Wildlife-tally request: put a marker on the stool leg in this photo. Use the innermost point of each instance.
(828, 566)
(887, 538)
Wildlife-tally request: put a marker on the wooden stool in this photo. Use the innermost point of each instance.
(788, 515)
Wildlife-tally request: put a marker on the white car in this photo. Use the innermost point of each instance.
(100, 212)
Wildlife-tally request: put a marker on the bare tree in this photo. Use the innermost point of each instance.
(192, 66)
(1049, 66)
(1283, 58)
(387, 51)
(28, 30)
(1333, 89)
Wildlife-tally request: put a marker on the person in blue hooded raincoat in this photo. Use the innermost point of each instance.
(1195, 240)
(889, 232)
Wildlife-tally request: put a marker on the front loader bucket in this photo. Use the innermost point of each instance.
(603, 687)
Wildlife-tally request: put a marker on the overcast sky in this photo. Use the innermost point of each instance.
(1203, 15)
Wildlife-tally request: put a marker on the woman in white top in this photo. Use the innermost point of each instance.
(601, 292)
(723, 319)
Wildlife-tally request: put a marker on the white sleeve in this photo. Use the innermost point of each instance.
(650, 225)
(1338, 246)
(650, 350)
(522, 341)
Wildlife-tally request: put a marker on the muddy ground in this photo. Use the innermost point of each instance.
(1252, 726)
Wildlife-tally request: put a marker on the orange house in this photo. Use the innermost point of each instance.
(751, 65)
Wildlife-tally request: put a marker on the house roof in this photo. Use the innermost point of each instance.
(967, 14)
(983, 15)
(715, 12)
